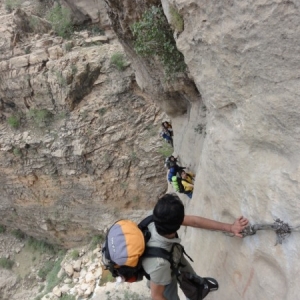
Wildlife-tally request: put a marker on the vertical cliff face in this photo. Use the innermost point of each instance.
(244, 59)
(79, 140)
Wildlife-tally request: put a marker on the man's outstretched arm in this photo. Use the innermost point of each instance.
(200, 222)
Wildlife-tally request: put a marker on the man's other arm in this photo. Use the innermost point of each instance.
(157, 291)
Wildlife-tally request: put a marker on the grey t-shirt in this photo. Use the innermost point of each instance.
(159, 268)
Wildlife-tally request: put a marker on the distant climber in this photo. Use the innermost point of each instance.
(187, 180)
(171, 161)
(166, 135)
(167, 126)
(173, 170)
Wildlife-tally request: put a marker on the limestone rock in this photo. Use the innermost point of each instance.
(93, 10)
(77, 265)
(57, 291)
(76, 112)
(69, 269)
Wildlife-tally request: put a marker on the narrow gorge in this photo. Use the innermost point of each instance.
(79, 138)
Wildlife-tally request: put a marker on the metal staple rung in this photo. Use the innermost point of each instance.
(282, 230)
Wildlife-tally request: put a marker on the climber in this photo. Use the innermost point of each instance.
(166, 135)
(173, 170)
(171, 161)
(166, 125)
(168, 216)
(187, 180)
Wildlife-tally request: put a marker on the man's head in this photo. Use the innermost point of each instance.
(168, 214)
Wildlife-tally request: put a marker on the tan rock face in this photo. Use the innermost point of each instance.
(89, 10)
(85, 151)
(244, 59)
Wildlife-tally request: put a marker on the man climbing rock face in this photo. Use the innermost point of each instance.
(168, 216)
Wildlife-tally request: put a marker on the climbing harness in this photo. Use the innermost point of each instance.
(282, 230)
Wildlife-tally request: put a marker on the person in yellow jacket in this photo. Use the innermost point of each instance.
(187, 180)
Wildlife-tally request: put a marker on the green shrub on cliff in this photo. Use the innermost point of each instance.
(10, 5)
(166, 150)
(42, 246)
(40, 116)
(6, 263)
(2, 228)
(60, 19)
(117, 60)
(17, 233)
(154, 37)
(13, 121)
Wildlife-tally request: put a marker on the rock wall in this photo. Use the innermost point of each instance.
(79, 140)
(244, 60)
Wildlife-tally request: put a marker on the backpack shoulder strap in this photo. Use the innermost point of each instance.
(158, 252)
(143, 226)
(145, 222)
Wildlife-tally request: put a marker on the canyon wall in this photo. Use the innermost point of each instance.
(235, 115)
(244, 58)
(79, 141)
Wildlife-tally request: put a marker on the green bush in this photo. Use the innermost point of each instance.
(67, 297)
(74, 254)
(60, 19)
(118, 61)
(6, 263)
(49, 273)
(45, 270)
(102, 111)
(13, 121)
(12, 4)
(154, 37)
(17, 152)
(40, 116)
(52, 279)
(166, 150)
(2, 228)
(42, 246)
(18, 234)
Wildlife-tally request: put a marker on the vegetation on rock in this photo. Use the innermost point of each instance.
(166, 150)
(6, 263)
(12, 4)
(14, 121)
(118, 61)
(154, 37)
(60, 19)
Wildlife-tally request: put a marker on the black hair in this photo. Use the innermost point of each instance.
(168, 214)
